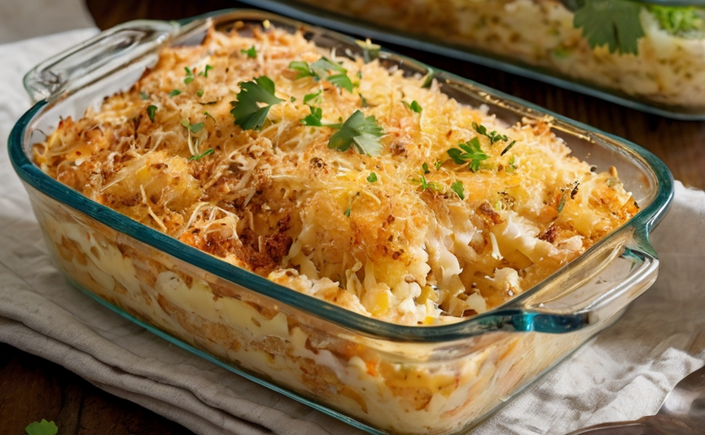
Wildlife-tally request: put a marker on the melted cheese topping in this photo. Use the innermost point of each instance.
(278, 201)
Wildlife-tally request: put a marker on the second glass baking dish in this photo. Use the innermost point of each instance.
(647, 55)
(381, 377)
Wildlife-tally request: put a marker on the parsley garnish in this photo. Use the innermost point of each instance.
(438, 165)
(151, 111)
(321, 70)
(471, 151)
(189, 75)
(209, 115)
(247, 112)
(457, 187)
(425, 168)
(615, 23)
(493, 135)
(41, 428)
(347, 212)
(314, 119)
(199, 93)
(144, 96)
(561, 203)
(359, 131)
(174, 93)
(204, 73)
(207, 152)
(250, 52)
(312, 97)
(414, 106)
(372, 177)
(195, 128)
(292, 99)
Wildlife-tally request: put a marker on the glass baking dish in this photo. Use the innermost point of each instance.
(662, 71)
(377, 376)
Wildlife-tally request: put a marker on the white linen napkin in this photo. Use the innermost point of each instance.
(622, 374)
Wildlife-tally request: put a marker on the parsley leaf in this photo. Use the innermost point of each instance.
(512, 166)
(372, 177)
(204, 73)
(301, 68)
(144, 95)
(457, 187)
(207, 152)
(341, 81)
(250, 52)
(347, 212)
(359, 131)
(199, 93)
(321, 70)
(414, 106)
(314, 119)
(471, 151)
(247, 112)
(615, 23)
(151, 111)
(425, 168)
(312, 97)
(189, 75)
(426, 185)
(493, 135)
(42, 428)
(174, 93)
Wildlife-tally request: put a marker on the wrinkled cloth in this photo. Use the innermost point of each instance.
(622, 374)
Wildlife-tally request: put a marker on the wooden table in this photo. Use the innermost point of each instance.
(32, 388)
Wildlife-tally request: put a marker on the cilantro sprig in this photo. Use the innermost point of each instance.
(614, 23)
(469, 152)
(246, 109)
(41, 428)
(360, 132)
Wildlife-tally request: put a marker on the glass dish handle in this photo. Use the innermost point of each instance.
(595, 289)
(94, 58)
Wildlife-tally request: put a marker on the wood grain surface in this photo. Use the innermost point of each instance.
(32, 388)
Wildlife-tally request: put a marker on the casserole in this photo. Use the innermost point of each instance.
(646, 55)
(441, 379)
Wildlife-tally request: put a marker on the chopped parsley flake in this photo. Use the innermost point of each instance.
(414, 106)
(361, 132)
(204, 73)
(512, 166)
(347, 212)
(314, 119)
(151, 111)
(144, 95)
(189, 75)
(250, 52)
(174, 93)
(471, 151)
(425, 168)
(426, 185)
(207, 152)
(561, 203)
(246, 110)
(438, 165)
(209, 115)
(372, 177)
(292, 99)
(199, 93)
(457, 187)
(195, 128)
